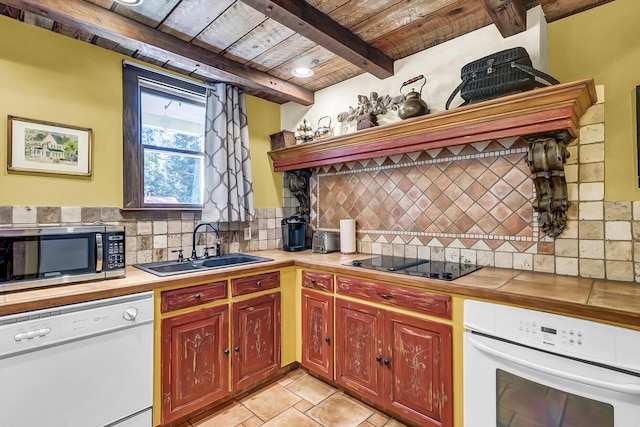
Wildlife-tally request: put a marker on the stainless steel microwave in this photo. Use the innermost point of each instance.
(43, 256)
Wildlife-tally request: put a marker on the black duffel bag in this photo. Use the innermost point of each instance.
(499, 74)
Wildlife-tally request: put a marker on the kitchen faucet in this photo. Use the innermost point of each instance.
(195, 230)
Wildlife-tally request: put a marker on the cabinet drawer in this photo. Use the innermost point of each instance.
(320, 281)
(412, 299)
(259, 282)
(192, 296)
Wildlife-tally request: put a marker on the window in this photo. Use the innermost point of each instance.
(163, 136)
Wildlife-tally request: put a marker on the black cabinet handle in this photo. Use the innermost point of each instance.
(197, 296)
(313, 282)
(378, 359)
(258, 283)
(385, 296)
(327, 339)
(226, 351)
(236, 349)
(387, 362)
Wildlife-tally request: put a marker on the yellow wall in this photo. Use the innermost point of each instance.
(54, 78)
(604, 43)
(264, 120)
(49, 77)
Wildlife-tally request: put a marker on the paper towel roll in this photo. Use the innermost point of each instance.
(348, 236)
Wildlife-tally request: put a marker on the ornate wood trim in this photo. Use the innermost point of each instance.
(546, 158)
(535, 112)
(299, 186)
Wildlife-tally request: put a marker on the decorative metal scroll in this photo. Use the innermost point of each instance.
(546, 158)
(299, 186)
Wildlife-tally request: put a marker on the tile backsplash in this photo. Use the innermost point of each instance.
(470, 202)
(156, 236)
(473, 203)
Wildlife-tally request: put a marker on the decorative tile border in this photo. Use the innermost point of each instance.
(446, 194)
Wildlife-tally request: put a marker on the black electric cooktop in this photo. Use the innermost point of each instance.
(442, 270)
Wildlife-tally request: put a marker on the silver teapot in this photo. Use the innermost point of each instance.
(324, 131)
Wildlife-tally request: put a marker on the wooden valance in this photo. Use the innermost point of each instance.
(536, 112)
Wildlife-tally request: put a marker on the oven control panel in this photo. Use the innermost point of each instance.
(551, 335)
(555, 333)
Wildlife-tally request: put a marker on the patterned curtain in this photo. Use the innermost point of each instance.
(228, 194)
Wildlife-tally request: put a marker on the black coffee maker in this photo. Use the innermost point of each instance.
(294, 233)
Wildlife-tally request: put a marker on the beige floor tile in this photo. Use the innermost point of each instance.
(378, 420)
(253, 422)
(394, 423)
(231, 416)
(303, 406)
(270, 401)
(340, 410)
(366, 424)
(311, 389)
(291, 418)
(292, 376)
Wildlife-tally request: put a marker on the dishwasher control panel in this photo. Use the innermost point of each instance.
(26, 331)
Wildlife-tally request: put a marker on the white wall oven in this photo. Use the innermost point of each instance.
(524, 368)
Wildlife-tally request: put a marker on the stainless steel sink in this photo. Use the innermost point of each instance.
(168, 268)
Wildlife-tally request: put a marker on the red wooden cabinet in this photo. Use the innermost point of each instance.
(398, 361)
(256, 339)
(359, 346)
(317, 280)
(317, 333)
(418, 376)
(194, 360)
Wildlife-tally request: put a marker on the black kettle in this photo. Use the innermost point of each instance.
(413, 105)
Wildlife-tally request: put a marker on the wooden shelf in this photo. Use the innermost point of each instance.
(536, 112)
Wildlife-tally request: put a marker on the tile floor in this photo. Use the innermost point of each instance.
(297, 400)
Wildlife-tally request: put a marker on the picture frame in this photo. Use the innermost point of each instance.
(47, 147)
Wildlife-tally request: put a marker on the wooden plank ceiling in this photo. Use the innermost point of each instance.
(255, 44)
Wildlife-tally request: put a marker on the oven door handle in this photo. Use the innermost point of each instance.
(620, 388)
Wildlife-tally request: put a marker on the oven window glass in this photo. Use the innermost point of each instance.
(524, 403)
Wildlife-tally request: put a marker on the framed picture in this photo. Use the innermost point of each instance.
(45, 147)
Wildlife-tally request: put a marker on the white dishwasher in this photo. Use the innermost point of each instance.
(82, 365)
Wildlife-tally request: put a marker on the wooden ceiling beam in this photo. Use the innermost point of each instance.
(308, 21)
(510, 16)
(154, 43)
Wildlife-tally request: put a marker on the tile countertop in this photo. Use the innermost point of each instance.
(617, 302)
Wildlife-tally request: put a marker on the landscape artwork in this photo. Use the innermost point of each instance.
(46, 147)
(50, 147)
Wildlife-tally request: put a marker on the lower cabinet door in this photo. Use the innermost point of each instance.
(359, 352)
(256, 339)
(418, 369)
(195, 361)
(317, 333)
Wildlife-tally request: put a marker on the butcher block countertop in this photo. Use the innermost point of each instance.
(617, 302)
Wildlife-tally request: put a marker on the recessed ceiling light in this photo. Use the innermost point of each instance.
(302, 72)
(129, 2)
